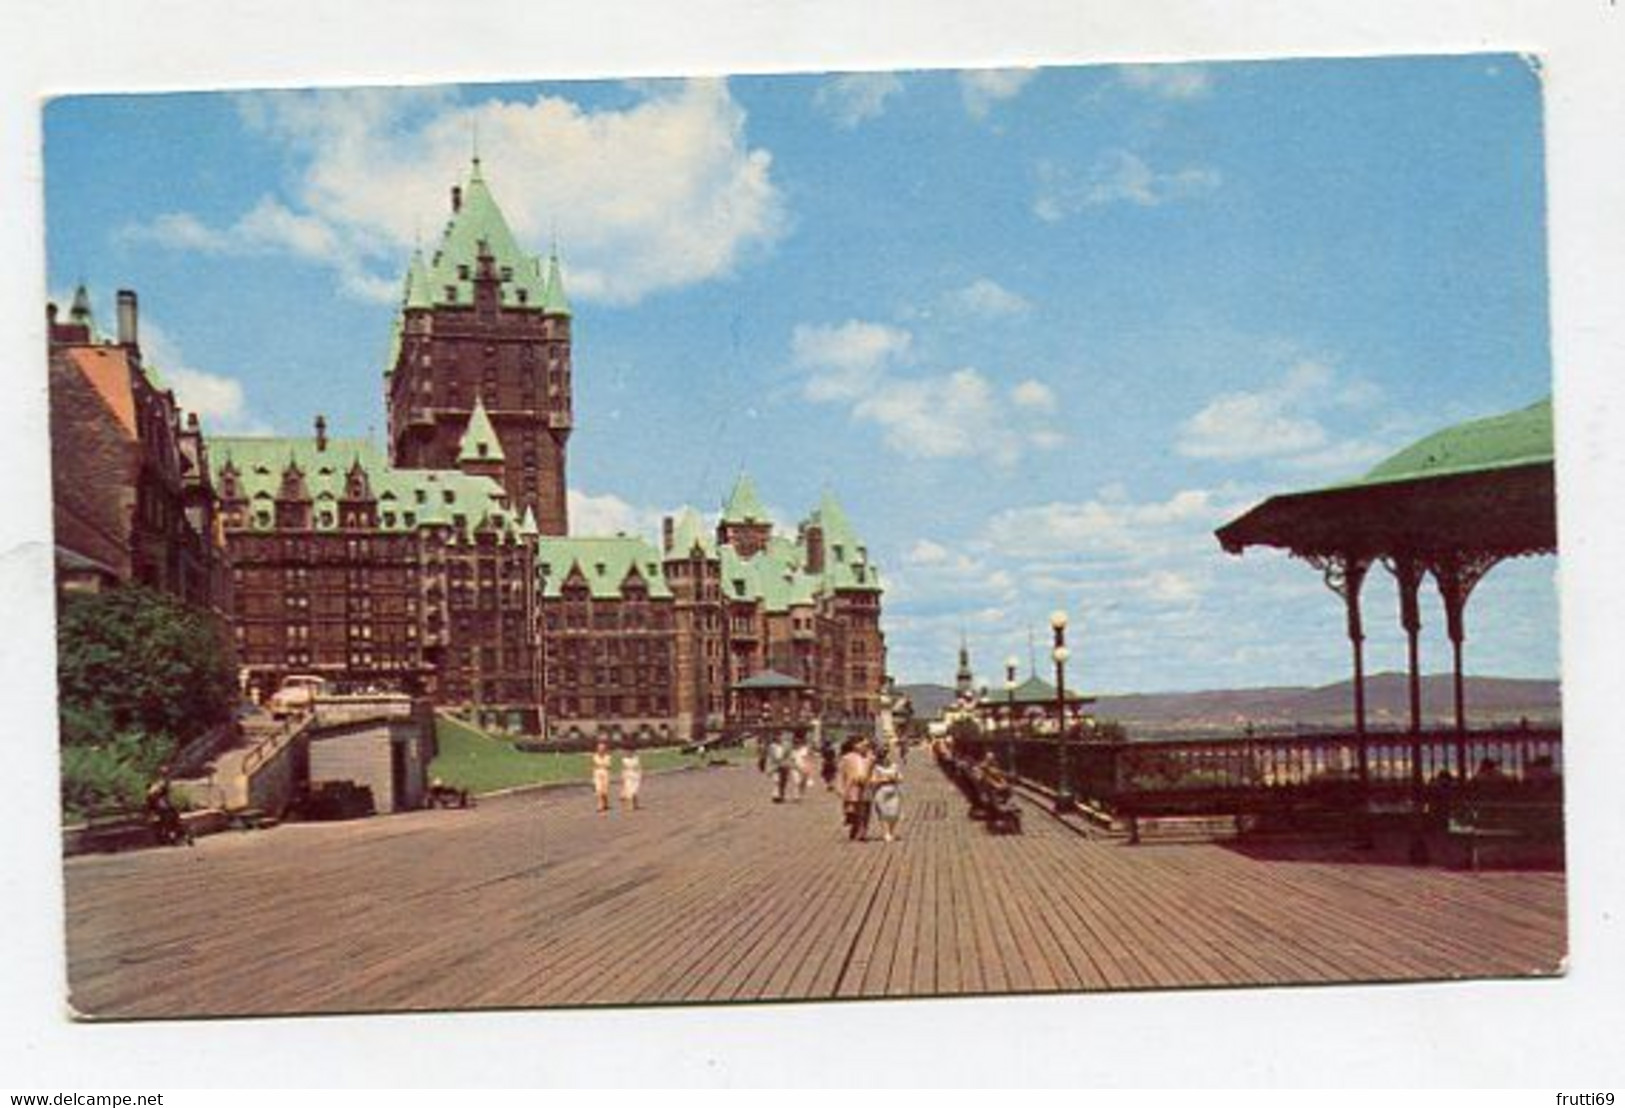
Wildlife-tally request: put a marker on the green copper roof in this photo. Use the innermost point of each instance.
(553, 298)
(1523, 437)
(448, 277)
(480, 442)
(1034, 690)
(606, 564)
(79, 312)
(407, 498)
(688, 532)
(418, 293)
(744, 505)
(769, 679)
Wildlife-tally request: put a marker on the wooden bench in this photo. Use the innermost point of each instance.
(1487, 821)
(993, 804)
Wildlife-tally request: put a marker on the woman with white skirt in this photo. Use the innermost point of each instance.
(887, 798)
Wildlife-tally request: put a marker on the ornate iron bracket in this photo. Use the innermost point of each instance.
(1457, 574)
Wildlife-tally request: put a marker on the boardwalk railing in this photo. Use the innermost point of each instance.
(1336, 771)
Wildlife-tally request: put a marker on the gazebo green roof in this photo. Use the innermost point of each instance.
(1034, 690)
(1519, 438)
(768, 679)
(1483, 486)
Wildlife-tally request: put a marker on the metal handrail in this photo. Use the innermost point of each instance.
(273, 744)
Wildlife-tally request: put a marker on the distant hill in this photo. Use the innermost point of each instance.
(929, 700)
(1489, 699)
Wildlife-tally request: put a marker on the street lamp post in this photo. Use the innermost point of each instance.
(1064, 799)
(1010, 715)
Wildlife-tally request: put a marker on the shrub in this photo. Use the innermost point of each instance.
(136, 660)
(110, 774)
(138, 674)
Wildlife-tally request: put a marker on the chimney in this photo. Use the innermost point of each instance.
(667, 531)
(128, 319)
(321, 433)
(456, 198)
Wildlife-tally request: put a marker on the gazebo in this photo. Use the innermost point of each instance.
(1451, 506)
(771, 698)
(1033, 700)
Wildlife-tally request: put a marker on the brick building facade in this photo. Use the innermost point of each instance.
(447, 567)
(132, 498)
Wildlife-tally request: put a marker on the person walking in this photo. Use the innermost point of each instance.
(601, 762)
(886, 796)
(631, 777)
(854, 775)
(779, 766)
(805, 765)
(828, 769)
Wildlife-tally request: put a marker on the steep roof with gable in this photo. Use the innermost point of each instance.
(688, 532)
(407, 498)
(744, 504)
(480, 442)
(479, 223)
(606, 564)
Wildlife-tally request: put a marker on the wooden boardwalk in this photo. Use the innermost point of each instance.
(713, 894)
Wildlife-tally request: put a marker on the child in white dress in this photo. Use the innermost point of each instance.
(631, 777)
(601, 762)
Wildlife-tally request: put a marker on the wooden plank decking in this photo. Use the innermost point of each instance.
(713, 894)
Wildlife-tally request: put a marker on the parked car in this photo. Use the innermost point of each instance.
(297, 695)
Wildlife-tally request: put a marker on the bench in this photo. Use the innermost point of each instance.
(992, 803)
(1485, 822)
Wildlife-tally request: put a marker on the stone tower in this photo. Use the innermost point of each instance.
(484, 326)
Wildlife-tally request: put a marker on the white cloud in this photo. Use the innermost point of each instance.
(221, 403)
(1117, 177)
(608, 514)
(1283, 421)
(988, 299)
(1035, 395)
(662, 194)
(958, 414)
(1169, 587)
(1167, 82)
(846, 360)
(1104, 525)
(983, 88)
(854, 98)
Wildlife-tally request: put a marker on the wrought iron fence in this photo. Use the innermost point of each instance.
(1125, 775)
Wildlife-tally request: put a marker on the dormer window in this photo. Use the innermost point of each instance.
(451, 294)
(483, 449)
(462, 273)
(524, 296)
(449, 497)
(421, 495)
(507, 273)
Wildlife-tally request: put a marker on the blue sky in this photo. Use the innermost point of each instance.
(1040, 330)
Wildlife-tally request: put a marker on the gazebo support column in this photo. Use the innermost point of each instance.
(1408, 572)
(1345, 574)
(1457, 574)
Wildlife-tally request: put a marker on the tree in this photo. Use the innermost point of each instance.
(138, 674)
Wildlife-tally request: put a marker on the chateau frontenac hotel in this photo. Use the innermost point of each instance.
(443, 565)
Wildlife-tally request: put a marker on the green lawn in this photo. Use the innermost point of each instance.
(471, 759)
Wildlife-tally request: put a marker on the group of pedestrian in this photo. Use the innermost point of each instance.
(791, 763)
(631, 775)
(866, 775)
